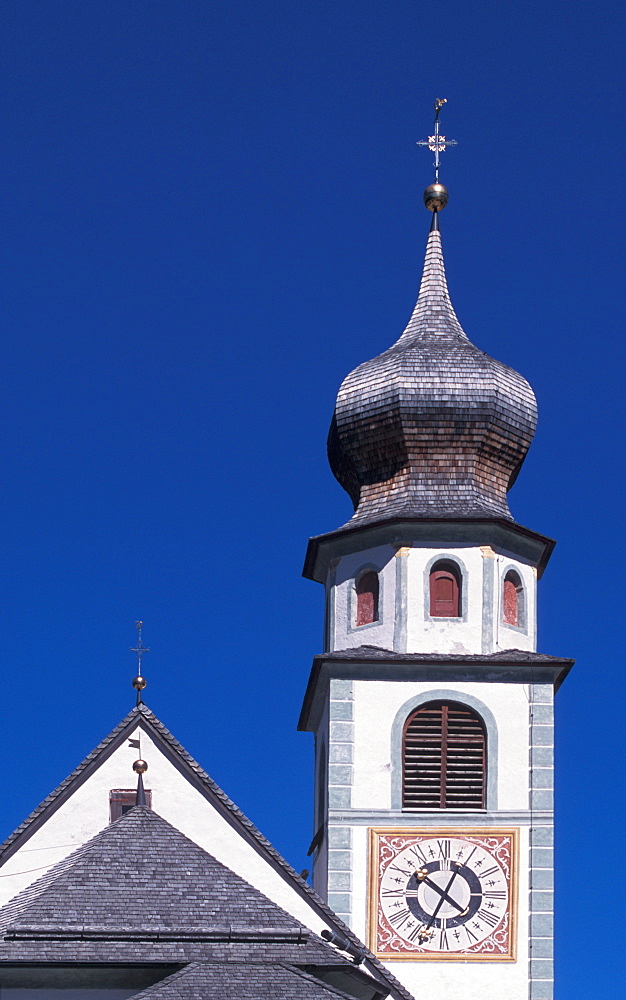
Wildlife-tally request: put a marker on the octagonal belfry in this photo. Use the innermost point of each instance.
(433, 427)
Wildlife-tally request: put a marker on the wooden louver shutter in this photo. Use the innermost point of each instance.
(444, 758)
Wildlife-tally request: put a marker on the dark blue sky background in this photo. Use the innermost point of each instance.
(209, 213)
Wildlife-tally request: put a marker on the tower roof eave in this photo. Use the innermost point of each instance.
(374, 663)
(400, 530)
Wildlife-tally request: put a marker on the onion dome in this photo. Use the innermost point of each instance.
(433, 427)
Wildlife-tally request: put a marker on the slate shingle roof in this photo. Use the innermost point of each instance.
(361, 653)
(140, 891)
(433, 426)
(216, 981)
(141, 879)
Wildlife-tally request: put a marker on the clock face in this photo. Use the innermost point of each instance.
(442, 894)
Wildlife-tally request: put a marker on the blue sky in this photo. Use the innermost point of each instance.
(209, 214)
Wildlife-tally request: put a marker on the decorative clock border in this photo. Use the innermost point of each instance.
(415, 953)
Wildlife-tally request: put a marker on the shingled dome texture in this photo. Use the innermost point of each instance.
(433, 426)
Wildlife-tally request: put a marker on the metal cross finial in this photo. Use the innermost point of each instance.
(139, 649)
(139, 682)
(437, 143)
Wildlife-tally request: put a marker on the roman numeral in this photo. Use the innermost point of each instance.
(495, 894)
(399, 918)
(490, 871)
(395, 892)
(468, 858)
(471, 936)
(443, 937)
(403, 871)
(419, 854)
(415, 933)
(488, 918)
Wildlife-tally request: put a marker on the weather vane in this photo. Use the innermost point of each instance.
(139, 682)
(437, 143)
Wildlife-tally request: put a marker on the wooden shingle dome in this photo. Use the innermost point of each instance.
(433, 427)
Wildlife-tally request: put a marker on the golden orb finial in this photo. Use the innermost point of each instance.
(436, 197)
(140, 766)
(139, 683)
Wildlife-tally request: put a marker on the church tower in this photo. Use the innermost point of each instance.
(431, 709)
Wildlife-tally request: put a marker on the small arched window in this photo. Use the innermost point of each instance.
(367, 590)
(513, 600)
(445, 590)
(444, 758)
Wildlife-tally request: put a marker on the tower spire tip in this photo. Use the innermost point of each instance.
(139, 683)
(437, 144)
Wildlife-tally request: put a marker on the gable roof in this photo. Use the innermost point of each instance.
(142, 715)
(214, 981)
(140, 891)
(140, 879)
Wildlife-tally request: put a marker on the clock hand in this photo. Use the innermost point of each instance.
(441, 901)
(422, 876)
(442, 892)
(425, 931)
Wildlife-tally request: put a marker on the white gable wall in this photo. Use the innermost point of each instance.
(177, 800)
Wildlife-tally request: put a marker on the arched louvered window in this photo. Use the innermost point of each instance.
(444, 756)
(367, 590)
(513, 600)
(445, 590)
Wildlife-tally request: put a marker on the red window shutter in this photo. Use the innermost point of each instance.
(511, 613)
(367, 599)
(444, 594)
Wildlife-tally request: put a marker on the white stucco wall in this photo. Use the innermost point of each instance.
(480, 627)
(376, 704)
(381, 633)
(445, 980)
